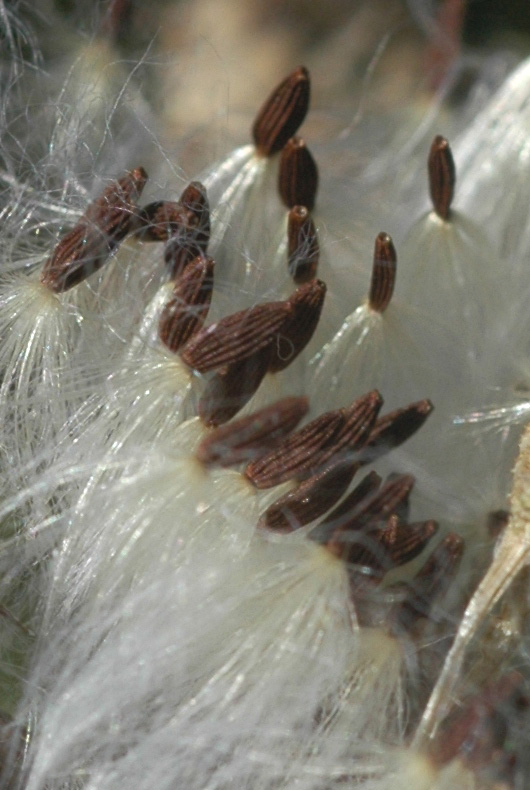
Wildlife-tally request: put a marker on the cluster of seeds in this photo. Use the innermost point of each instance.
(186, 444)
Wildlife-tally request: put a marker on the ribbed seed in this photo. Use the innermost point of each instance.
(383, 273)
(158, 221)
(394, 428)
(402, 542)
(303, 251)
(184, 244)
(195, 199)
(297, 455)
(235, 337)
(186, 311)
(359, 420)
(298, 175)
(311, 499)
(344, 513)
(368, 515)
(442, 176)
(249, 437)
(299, 326)
(232, 387)
(282, 113)
(105, 223)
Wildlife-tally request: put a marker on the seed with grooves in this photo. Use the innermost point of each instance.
(104, 225)
(281, 115)
(403, 542)
(235, 337)
(311, 499)
(299, 326)
(195, 199)
(298, 175)
(303, 251)
(394, 428)
(249, 437)
(442, 176)
(383, 273)
(359, 419)
(232, 387)
(367, 515)
(158, 221)
(346, 510)
(184, 244)
(186, 311)
(297, 455)
(394, 545)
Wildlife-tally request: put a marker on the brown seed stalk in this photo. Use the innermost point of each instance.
(303, 251)
(283, 112)
(442, 176)
(89, 244)
(236, 336)
(232, 387)
(394, 428)
(186, 311)
(298, 175)
(311, 499)
(249, 437)
(383, 273)
(299, 326)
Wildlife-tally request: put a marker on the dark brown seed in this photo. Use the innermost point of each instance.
(402, 542)
(394, 428)
(158, 221)
(249, 437)
(186, 311)
(311, 499)
(432, 582)
(235, 337)
(442, 176)
(383, 273)
(347, 509)
(297, 455)
(368, 515)
(298, 328)
(303, 250)
(195, 199)
(184, 245)
(232, 387)
(359, 420)
(476, 731)
(298, 175)
(281, 115)
(384, 549)
(105, 223)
